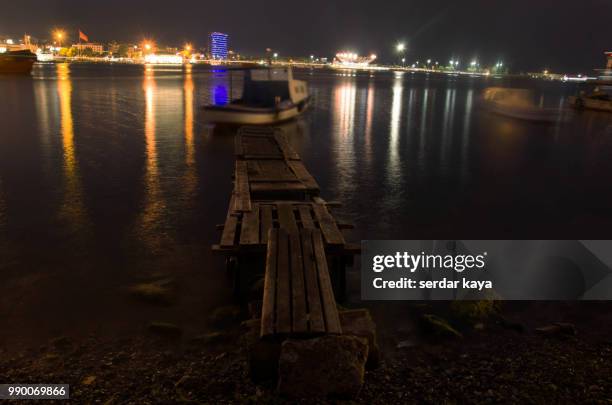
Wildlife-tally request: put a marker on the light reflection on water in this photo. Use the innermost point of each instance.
(124, 149)
(72, 208)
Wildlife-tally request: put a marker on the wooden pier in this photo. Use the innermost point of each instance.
(278, 224)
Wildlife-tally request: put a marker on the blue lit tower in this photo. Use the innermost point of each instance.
(218, 45)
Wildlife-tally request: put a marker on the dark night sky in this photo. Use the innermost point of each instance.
(563, 35)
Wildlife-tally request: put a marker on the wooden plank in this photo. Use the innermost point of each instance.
(273, 171)
(230, 227)
(268, 311)
(288, 151)
(306, 217)
(281, 186)
(315, 314)
(266, 222)
(298, 295)
(286, 217)
(303, 175)
(328, 226)
(241, 187)
(283, 291)
(330, 310)
(238, 150)
(249, 231)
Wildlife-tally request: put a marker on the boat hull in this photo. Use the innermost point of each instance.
(590, 104)
(18, 63)
(235, 115)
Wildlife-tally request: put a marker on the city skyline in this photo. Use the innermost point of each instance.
(525, 35)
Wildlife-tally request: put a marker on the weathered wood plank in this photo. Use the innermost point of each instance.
(284, 145)
(316, 319)
(283, 293)
(303, 175)
(266, 222)
(228, 236)
(306, 217)
(330, 310)
(241, 187)
(280, 186)
(249, 232)
(286, 217)
(328, 226)
(268, 311)
(298, 295)
(238, 150)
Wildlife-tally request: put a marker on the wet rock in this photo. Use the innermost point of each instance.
(225, 316)
(61, 343)
(162, 292)
(329, 366)
(165, 329)
(557, 329)
(262, 355)
(473, 312)
(90, 379)
(439, 327)
(405, 344)
(359, 322)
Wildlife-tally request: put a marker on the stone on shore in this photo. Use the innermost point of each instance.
(161, 292)
(225, 316)
(329, 366)
(165, 329)
(359, 322)
(439, 327)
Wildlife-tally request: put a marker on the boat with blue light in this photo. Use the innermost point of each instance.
(269, 96)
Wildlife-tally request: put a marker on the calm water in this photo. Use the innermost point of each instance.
(108, 177)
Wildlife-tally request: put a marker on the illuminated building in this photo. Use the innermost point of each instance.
(351, 59)
(218, 45)
(95, 48)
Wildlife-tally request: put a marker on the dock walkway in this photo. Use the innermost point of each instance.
(273, 190)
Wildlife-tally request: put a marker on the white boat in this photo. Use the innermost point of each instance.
(517, 103)
(269, 96)
(600, 100)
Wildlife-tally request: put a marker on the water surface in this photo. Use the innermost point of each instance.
(108, 177)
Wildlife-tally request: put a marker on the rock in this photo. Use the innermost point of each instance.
(90, 379)
(161, 292)
(262, 355)
(61, 343)
(557, 329)
(439, 327)
(225, 316)
(359, 322)
(473, 312)
(165, 329)
(329, 366)
(405, 344)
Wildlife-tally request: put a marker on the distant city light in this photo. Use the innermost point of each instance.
(275, 54)
(188, 47)
(9, 41)
(164, 59)
(428, 61)
(401, 47)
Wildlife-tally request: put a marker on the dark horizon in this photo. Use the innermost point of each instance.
(526, 36)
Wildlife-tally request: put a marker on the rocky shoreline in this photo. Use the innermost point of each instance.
(492, 361)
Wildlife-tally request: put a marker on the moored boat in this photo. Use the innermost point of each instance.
(517, 103)
(17, 62)
(269, 96)
(600, 100)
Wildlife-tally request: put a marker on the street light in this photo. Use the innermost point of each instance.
(59, 36)
(400, 47)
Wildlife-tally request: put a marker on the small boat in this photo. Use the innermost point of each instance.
(600, 99)
(269, 96)
(17, 62)
(517, 103)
